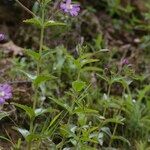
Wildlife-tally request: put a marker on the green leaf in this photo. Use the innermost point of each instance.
(62, 104)
(23, 132)
(52, 23)
(40, 111)
(121, 138)
(88, 61)
(87, 55)
(27, 135)
(116, 79)
(85, 111)
(78, 85)
(77, 63)
(106, 130)
(68, 131)
(53, 125)
(3, 114)
(116, 120)
(34, 55)
(29, 111)
(34, 21)
(41, 79)
(143, 92)
(46, 1)
(103, 77)
(33, 137)
(35, 7)
(82, 119)
(54, 120)
(30, 76)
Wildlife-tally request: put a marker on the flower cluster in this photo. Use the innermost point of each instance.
(68, 7)
(5, 92)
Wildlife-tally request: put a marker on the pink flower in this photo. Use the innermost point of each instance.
(68, 7)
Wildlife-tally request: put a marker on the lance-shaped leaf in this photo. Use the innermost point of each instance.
(28, 135)
(88, 61)
(22, 131)
(62, 104)
(30, 76)
(53, 124)
(53, 23)
(34, 21)
(46, 1)
(29, 111)
(41, 79)
(121, 138)
(40, 111)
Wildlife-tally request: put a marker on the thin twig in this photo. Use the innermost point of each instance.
(25, 8)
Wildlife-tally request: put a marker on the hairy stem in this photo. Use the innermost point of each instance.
(40, 53)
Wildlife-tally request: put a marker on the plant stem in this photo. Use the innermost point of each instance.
(41, 44)
(114, 132)
(40, 54)
(38, 69)
(115, 128)
(108, 95)
(39, 62)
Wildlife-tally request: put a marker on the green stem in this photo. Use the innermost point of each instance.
(108, 95)
(129, 93)
(38, 69)
(39, 62)
(40, 54)
(40, 50)
(31, 125)
(31, 130)
(114, 132)
(116, 125)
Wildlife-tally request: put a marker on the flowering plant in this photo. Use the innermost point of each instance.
(68, 7)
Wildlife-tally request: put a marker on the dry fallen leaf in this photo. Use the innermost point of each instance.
(10, 47)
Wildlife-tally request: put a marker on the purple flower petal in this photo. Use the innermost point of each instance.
(2, 101)
(73, 13)
(5, 92)
(8, 96)
(2, 37)
(63, 6)
(125, 61)
(72, 9)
